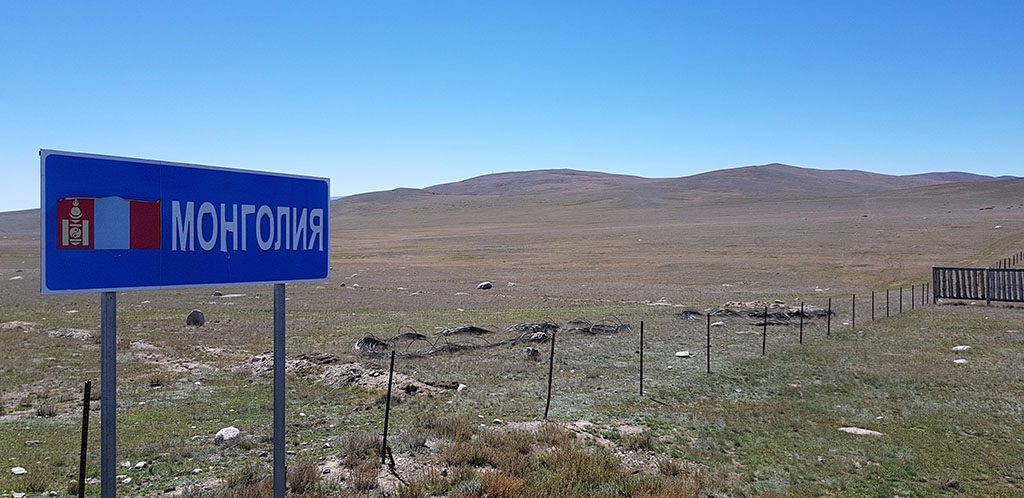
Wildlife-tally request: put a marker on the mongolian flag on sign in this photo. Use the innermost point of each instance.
(107, 223)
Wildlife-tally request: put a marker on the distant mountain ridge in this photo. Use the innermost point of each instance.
(568, 186)
(768, 178)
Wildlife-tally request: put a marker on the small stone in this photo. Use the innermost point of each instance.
(127, 464)
(217, 293)
(860, 432)
(355, 286)
(960, 361)
(461, 388)
(717, 324)
(126, 480)
(18, 495)
(33, 442)
(15, 278)
(670, 367)
(533, 354)
(197, 470)
(18, 471)
(484, 285)
(497, 421)
(195, 318)
(140, 465)
(960, 349)
(683, 354)
(228, 436)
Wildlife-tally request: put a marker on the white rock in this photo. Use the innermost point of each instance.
(461, 387)
(18, 471)
(997, 227)
(18, 495)
(227, 436)
(127, 464)
(683, 354)
(960, 349)
(717, 324)
(484, 285)
(126, 480)
(860, 432)
(197, 470)
(140, 465)
(959, 361)
(15, 278)
(670, 367)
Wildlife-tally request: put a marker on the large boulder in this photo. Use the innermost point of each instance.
(195, 318)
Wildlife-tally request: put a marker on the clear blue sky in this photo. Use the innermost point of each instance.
(377, 95)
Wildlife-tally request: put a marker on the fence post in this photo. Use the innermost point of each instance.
(551, 372)
(764, 332)
(828, 321)
(912, 295)
(387, 412)
(901, 299)
(641, 357)
(935, 285)
(85, 439)
(887, 303)
(872, 306)
(853, 314)
(801, 322)
(709, 342)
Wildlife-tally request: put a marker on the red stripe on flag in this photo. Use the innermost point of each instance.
(145, 225)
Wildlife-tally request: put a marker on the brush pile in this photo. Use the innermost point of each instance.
(412, 344)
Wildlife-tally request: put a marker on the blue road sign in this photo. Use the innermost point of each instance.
(114, 224)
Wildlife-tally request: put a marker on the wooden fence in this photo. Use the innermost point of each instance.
(978, 283)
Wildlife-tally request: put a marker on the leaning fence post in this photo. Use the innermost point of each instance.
(387, 412)
(828, 321)
(551, 372)
(801, 322)
(641, 357)
(85, 439)
(709, 342)
(764, 332)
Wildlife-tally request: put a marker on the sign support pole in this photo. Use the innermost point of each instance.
(108, 394)
(280, 470)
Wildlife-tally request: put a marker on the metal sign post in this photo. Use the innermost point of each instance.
(108, 394)
(280, 470)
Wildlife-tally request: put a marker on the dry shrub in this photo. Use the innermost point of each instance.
(364, 476)
(555, 436)
(359, 447)
(160, 379)
(508, 450)
(501, 485)
(254, 481)
(642, 441)
(46, 410)
(303, 477)
(448, 426)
